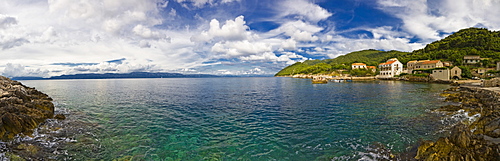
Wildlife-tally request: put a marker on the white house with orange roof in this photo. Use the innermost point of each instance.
(358, 66)
(390, 68)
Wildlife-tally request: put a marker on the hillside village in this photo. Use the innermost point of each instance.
(469, 54)
(473, 67)
(436, 69)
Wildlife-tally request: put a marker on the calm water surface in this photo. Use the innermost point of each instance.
(244, 118)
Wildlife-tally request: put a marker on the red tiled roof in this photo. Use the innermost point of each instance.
(373, 67)
(387, 63)
(358, 64)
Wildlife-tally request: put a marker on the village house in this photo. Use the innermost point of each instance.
(447, 64)
(410, 66)
(423, 64)
(358, 66)
(429, 64)
(441, 74)
(481, 72)
(445, 73)
(390, 68)
(472, 59)
(456, 73)
(373, 68)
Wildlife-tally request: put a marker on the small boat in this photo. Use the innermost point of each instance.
(319, 80)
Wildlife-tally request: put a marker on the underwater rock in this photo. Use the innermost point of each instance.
(21, 108)
(477, 140)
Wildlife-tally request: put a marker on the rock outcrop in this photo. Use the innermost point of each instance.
(477, 137)
(21, 108)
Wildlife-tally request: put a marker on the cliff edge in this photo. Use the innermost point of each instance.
(22, 108)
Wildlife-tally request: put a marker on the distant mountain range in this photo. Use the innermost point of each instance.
(128, 75)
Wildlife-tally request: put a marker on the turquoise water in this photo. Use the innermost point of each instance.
(243, 118)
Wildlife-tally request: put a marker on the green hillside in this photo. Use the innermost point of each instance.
(369, 57)
(471, 41)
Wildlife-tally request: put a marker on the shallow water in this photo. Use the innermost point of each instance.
(243, 118)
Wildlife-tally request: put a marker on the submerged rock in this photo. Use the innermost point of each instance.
(21, 108)
(476, 140)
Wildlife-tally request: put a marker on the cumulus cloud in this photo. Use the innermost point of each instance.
(147, 33)
(240, 48)
(230, 31)
(289, 44)
(304, 10)
(18, 70)
(106, 67)
(111, 16)
(427, 19)
(287, 57)
(299, 30)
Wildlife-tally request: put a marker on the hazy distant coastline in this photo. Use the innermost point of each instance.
(134, 75)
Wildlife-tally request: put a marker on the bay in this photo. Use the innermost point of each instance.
(244, 118)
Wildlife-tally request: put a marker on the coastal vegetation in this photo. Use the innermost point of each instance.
(453, 48)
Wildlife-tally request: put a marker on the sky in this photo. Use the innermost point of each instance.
(46, 38)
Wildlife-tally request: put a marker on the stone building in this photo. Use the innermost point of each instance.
(456, 73)
(441, 74)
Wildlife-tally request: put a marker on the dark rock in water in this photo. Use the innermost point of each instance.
(472, 140)
(21, 108)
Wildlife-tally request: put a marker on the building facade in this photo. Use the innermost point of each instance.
(456, 73)
(429, 64)
(423, 64)
(441, 74)
(472, 59)
(358, 66)
(390, 68)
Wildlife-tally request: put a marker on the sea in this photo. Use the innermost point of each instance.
(268, 118)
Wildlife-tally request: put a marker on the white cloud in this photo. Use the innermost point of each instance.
(299, 30)
(287, 57)
(18, 70)
(201, 3)
(427, 19)
(240, 48)
(147, 33)
(231, 31)
(289, 44)
(304, 10)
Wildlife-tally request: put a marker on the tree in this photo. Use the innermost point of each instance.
(466, 73)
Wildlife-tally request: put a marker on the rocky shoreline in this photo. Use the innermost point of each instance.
(22, 110)
(477, 135)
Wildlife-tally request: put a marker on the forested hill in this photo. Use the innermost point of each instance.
(471, 41)
(369, 57)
